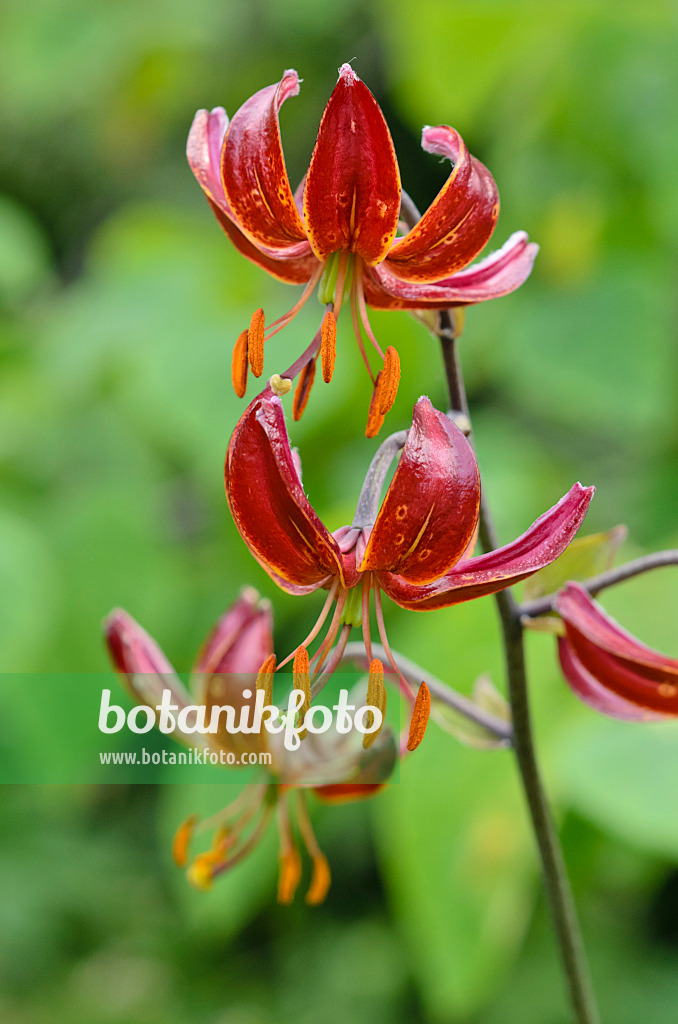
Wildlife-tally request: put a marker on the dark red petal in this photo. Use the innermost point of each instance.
(203, 151)
(545, 540)
(596, 694)
(352, 195)
(137, 657)
(459, 221)
(288, 268)
(242, 638)
(268, 504)
(578, 609)
(254, 175)
(498, 274)
(430, 511)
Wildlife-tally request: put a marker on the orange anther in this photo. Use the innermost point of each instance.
(289, 875)
(239, 365)
(201, 872)
(302, 681)
(320, 881)
(265, 678)
(255, 342)
(390, 378)
(375, 417)
(376, 697)
(328, 345)
(303, 390)
(182, 839)
(419, 720)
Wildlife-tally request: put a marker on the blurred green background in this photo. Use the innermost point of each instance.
(120, 300)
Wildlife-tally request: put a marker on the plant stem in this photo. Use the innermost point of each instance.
(655, 560)
(556, 882)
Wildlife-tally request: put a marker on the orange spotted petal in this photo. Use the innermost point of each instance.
(430, 511)
(352, 194)
(459, 221)
(254, 175)
(545, 540)
(269, 506)
(621, 664)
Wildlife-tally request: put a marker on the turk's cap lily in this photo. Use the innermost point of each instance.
(340, 229)
(610, 669)
(416, 546)
(337, 766)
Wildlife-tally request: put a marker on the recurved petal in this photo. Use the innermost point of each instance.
(203, 151)
(619, 661)
(430, 511)
(268, 504)
(459, 221)
(545, 540)
(594, 693)
(142, 664)
(287, 265)
(254, 175)
(352, 194)
(242, 638)
(498, 274)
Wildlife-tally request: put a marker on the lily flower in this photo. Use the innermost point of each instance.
(340, 230)
(609, 668)
(226, 672)
(416, 545)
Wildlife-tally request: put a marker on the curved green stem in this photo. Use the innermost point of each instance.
(556, 882)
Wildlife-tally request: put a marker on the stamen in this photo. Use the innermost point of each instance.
(279, 385)
(419, 720)
(376, 696)
(201, 872)
(375, 417)
(318, 626)
(265, 678)
(182, 839)
(303, 390)
(239, 365)
(289, 858)
(284, 320)
(247, 846)
(405, 688)
(362, 306)
(367, 639)
(302, 681)
(341, 278)
(255, 342)
(356, 330)
(390, 378)
(330, 637)
(321, 879)
(328, 345)
(337, 655)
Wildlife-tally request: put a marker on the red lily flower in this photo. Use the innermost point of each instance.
(226, 671)
(416, 548)
(609, 668)
(340, 227)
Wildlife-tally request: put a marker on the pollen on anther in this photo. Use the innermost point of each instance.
(328, 345)
(420, 715)
(181, 841)
(239, 365)
(390, 379)
(265, 678)
(201, 872)
(255, 342)
(289, 876)
(302, 681)
(303, 390)
(376, 697)
(320, 881)
(375, 417)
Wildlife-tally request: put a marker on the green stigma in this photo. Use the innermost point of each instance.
(353, 609)
(328, 280)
